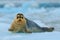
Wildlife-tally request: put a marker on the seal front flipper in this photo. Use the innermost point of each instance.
(12, 27)
(26, 30)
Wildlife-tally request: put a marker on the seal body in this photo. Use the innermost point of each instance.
(22, 24)
(32, 26)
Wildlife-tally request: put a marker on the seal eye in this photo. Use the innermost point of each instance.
(19, 17)
(22, 17)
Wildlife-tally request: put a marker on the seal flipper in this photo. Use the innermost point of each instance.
(26, 30)
(46, 29)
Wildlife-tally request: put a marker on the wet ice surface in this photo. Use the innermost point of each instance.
(43, 17)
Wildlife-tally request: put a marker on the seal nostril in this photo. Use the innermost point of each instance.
(19, 20)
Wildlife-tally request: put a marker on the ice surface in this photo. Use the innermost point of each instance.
(6, 35)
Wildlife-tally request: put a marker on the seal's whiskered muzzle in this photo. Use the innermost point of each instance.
(20, 20)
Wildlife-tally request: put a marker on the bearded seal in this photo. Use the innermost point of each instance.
(22, 24)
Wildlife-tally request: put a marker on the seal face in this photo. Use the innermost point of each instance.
(19, 24)
(20, 19)
(22, 24)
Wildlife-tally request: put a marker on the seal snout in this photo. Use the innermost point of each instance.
(20, 20)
